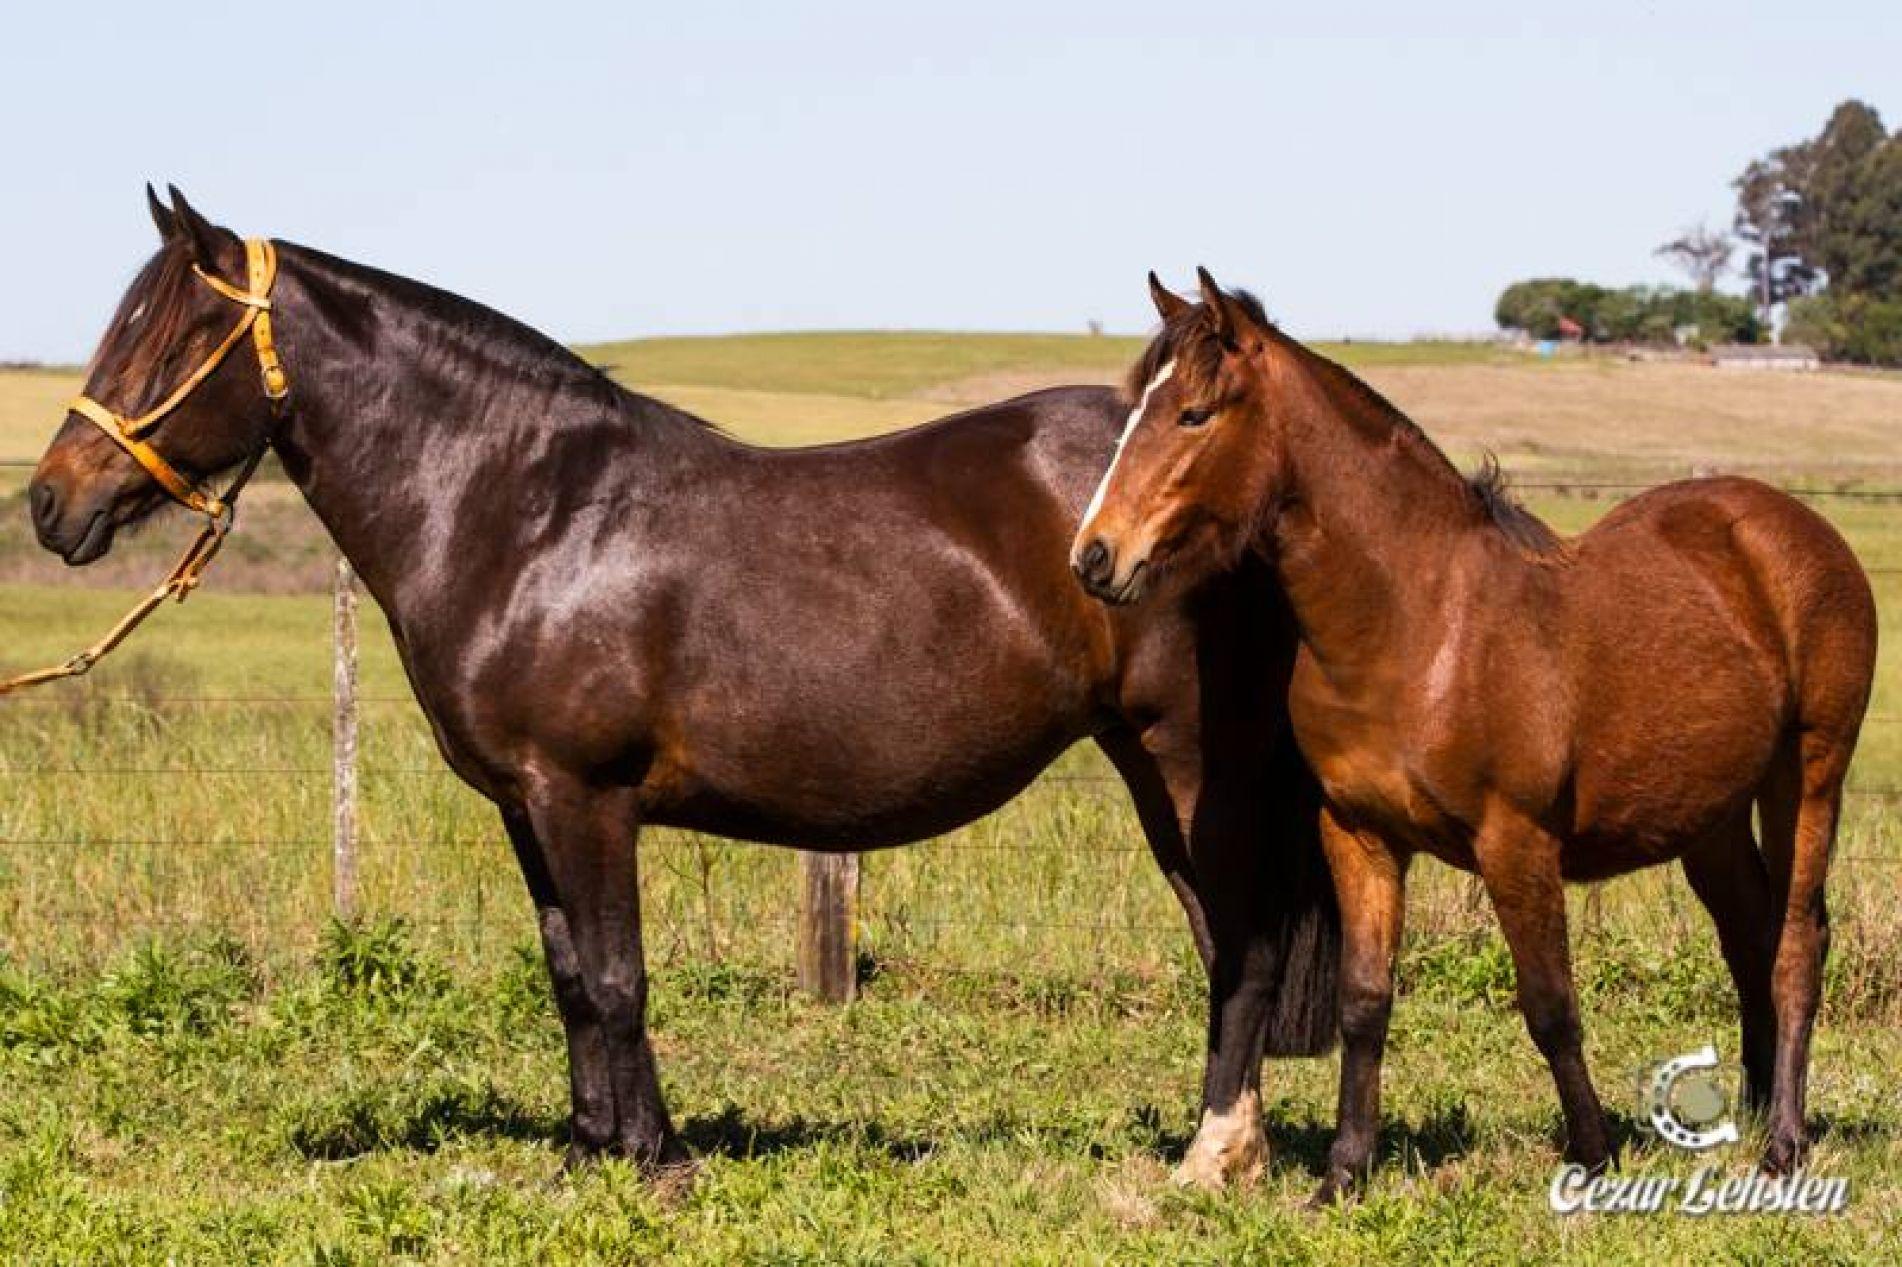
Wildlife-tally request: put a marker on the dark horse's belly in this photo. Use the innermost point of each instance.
(836, 814)
(923, 690)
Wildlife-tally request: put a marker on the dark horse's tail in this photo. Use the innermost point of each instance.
(1303, 916)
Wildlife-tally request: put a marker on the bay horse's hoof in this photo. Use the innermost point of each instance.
(1783, 1155)
(1593, 1161)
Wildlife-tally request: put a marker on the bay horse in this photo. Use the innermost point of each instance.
(1472, 686)
(613, 615)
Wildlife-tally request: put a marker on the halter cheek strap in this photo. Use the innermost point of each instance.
(261, 267)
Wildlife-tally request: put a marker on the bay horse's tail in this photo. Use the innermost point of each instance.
(1304, 919)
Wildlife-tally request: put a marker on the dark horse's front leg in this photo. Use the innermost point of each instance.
(577, 849)
(1213, 839)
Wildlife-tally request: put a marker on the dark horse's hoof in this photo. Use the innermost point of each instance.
(1341, 1187)
(660, 1163)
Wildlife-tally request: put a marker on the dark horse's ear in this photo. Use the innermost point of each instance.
(161, 214)
(201, 236)
(1167, 302)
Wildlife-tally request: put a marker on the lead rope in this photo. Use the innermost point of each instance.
(219, 512)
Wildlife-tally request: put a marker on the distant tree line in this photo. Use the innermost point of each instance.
(1542, 308)
(1821, 225)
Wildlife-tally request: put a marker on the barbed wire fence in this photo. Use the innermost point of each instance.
(828, 909)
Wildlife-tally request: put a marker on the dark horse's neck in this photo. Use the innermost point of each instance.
(1374, 514)
(413, 409)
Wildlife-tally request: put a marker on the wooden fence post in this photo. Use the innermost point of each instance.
(829, 926)
(343, 740)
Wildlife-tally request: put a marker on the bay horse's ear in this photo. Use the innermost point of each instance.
(201, 235)
(1218, 306)
(1167, 302)
(161, 214)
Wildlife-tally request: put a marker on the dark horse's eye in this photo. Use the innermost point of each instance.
(1195, 417)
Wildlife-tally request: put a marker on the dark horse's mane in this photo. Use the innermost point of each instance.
(1188, 338)
(164, 289)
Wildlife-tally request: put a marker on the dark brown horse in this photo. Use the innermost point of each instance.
(1472, 686)
(612, 615)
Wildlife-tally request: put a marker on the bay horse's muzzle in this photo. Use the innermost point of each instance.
(1095, 566)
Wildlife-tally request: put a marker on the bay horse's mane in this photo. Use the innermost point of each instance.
(1188, 338)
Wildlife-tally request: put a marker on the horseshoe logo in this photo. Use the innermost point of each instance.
(1682, 1102)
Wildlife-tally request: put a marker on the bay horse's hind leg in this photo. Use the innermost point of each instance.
(1728, 875)
(1802, 802)
(1519, 863)
(591, 929)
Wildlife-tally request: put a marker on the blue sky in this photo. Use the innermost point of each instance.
(617, 169)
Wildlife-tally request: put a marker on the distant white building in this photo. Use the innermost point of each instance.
(1787, 357)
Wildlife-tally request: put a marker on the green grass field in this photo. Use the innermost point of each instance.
(197, 1066)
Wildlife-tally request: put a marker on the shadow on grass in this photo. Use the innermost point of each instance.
(1443, 1135)
(355, 1124)
(731, 1134)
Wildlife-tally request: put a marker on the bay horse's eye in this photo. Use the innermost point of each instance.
(1195, 417)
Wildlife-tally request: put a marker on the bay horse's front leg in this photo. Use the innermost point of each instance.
(1519, 863)
(585, 839)
(1370, 881)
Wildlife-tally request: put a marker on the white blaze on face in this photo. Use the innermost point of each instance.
(1129, 428)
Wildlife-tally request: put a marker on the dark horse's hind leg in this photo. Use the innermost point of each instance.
(1161, 828)
(577, 847)
(1730, 879)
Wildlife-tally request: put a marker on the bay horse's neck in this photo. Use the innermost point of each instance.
(418, 416)
(1374, 516)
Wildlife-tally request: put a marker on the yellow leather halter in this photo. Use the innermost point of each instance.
(128, 433)
(261, 263)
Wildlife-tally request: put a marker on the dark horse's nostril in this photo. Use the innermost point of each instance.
(1093, 565)
(45, 506)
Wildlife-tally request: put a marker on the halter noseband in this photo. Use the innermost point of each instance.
(261, 265)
